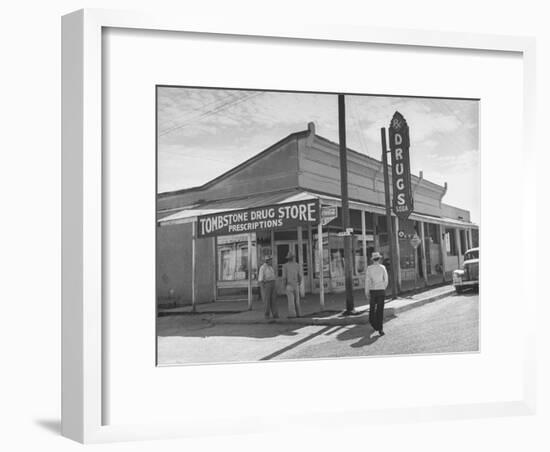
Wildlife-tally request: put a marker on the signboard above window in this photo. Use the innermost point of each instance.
(278, 216)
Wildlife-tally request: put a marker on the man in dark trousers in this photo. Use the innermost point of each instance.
(376, 281)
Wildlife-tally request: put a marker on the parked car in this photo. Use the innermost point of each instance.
(467, 277)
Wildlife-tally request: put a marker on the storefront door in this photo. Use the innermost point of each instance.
(282, 249)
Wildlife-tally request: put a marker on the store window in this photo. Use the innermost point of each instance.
(475, 238)
(406, 255)
(326, 260)
(337, 259)
(233, 258)
(433, 232)
(463, 243)
(337, 262)
(450, 242)
(333, 254)
(360, 260)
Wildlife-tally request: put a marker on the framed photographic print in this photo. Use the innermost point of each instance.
(251, 206)
(234, 222)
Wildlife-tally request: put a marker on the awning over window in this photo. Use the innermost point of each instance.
(450, 222)
(188, 215)
(207, 208)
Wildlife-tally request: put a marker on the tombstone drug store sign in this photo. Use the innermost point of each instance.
(274, 217)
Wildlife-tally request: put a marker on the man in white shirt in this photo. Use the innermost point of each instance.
(376, 281)
(266, 278)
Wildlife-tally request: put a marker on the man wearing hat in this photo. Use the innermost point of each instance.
(266, 278)
(376, 281)
(292, 278)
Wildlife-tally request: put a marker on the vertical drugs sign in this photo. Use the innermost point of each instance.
(401, 167)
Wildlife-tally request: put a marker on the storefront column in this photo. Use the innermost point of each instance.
(215, 272)
(375, 231)
(301, 259)
(310, 256)
(442, 249)
(364, 241)
(249, 264)
(469, 235)
(194, 266)
(423, 249)
(321, 265)
(397, 252)
(457, 245)
(273, 250)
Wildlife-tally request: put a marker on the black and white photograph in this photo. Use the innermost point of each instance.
(310, 225)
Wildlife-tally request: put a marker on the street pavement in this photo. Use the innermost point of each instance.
(450, 324)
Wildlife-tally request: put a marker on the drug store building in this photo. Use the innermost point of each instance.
(212, 239)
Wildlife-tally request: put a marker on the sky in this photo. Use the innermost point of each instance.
(204, 132)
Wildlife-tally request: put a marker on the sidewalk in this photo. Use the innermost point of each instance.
(236, 312)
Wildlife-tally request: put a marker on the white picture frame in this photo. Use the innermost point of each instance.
(83, 199)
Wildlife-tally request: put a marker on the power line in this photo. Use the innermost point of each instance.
(187, 117)
(213, 112)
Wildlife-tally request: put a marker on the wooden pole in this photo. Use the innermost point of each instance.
(364, 242)
(274, 261)
(424, 259)
(442, 250)
(457, 245)
(375, 232)
(249, 264)
(301, 259)
(310, 256)
(321, 266)
(348, 246)
(397, 253)
(415, 268)
(391, 236)
(194, 266)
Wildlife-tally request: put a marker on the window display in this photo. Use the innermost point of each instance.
(233, 258)
(326, 271)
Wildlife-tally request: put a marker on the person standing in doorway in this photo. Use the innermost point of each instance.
(292, 278)
(376, 281)
(266, 278)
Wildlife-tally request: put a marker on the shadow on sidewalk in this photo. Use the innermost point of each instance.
(365, 333)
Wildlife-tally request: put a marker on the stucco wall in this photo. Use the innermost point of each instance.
(174, 263)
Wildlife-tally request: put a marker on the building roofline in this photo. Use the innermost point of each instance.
(241, 165)
(368, 157)
(254, 158)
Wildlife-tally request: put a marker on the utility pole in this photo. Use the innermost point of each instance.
(348, 249)
(389, 222)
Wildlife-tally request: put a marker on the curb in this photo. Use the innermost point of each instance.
(360, 319)
(192, 313)
(423, 301)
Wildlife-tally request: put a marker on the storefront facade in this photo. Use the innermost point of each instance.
(223, 264)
